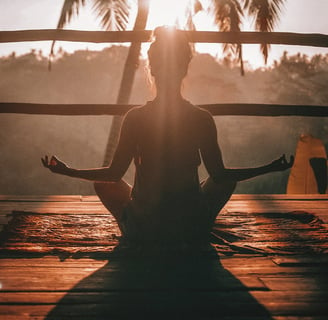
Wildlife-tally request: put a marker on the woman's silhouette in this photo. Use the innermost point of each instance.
(167, 138)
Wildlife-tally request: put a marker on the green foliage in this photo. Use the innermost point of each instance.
(301, 79)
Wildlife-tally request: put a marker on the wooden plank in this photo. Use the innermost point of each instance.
(280, 203)
(95, 297)
(120, 311)
(320, 213)
(287, 296)
(218, 109)
(244, 205)
(288, 287)
(98, 211)
(245, 208)
(299, 197)
(297, 308)
(299, 317)
(296, 283)
(300, 302)
(23, 312)
(93, 198)
(233, 263)
(37, 271)
(290, 204)
(158, 307)
(301, 261)
(246, 262)
(276, 271)
(51, 205)
(111, 280)
(90, 199)
(165, 308)
(51, 261)
(7, 298)
(54, 207)
(40, 198)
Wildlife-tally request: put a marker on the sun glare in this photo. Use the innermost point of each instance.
(174, 13)
(168, 12)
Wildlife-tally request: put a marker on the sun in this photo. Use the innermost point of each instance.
(168, 12)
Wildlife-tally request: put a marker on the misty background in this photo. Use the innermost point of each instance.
(94, 77)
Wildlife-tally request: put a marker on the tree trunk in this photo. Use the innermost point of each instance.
(130, 67)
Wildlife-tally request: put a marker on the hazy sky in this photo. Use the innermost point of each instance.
(308, 16)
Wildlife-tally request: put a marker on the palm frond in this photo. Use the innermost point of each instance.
(197, 6)
(114, 14)
(228, 17)
(70, 7)
(192, 8)
(228, 14)
(266, 13)
(189, 24)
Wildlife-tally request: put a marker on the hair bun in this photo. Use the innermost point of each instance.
(169, 41)
(165, 32)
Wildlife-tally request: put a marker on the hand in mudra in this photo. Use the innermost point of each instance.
(54, 164)
(282, 163)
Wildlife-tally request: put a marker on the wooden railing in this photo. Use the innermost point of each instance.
(281, 38)
(286, 38)
(236, 109)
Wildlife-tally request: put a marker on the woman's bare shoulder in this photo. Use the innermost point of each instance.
(201, 114)
(136, 112)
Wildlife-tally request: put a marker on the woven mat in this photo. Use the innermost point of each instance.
(264, 233)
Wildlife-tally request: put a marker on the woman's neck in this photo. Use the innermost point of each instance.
(168, 94)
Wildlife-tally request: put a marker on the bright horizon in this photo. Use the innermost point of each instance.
(296, 16)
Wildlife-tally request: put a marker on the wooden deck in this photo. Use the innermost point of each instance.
(241, 286)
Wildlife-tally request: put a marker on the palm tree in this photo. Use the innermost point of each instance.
(130, 67)
(114, 15)
(227, 14)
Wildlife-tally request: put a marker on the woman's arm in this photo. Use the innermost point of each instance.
(121, 160)
(280, 164)
(103, 174)
(212, 157)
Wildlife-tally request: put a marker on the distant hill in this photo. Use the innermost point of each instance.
(94, 77)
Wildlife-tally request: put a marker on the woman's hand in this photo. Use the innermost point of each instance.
(281, 163)
(55, 165)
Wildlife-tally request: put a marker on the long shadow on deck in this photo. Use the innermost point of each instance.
(160, 287)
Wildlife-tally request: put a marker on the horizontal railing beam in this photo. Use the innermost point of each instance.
(286, 38)
(223, 109)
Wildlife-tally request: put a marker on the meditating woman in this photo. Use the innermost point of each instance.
(167, 138)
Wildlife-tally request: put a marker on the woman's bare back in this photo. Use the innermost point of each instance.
(166, 149)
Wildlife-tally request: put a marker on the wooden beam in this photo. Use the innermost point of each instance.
(270, 110)
(236, 109)
(65, 109)
(75, 36)
(287, 38)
